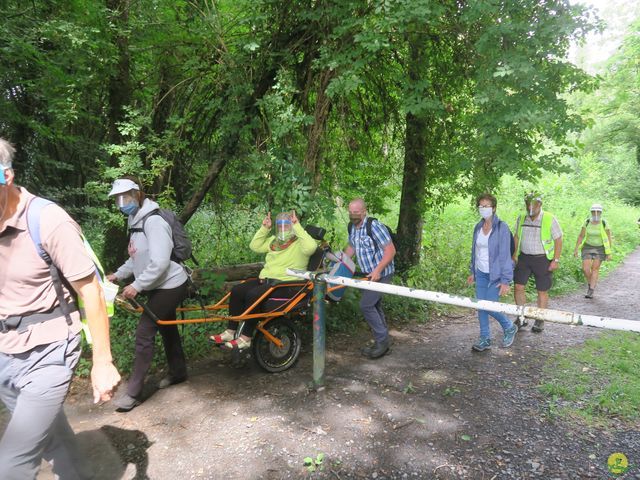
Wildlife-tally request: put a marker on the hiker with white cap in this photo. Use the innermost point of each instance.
(162, 280)
(594, 242)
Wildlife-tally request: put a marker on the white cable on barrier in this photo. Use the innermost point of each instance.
(557, 316)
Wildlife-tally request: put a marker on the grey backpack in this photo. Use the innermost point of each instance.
(181, 243)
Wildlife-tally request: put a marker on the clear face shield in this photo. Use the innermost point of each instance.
(533, 207)
(124, 199)
(284, 229)
(596, 215)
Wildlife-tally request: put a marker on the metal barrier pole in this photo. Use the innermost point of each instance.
(319, 332)
(557, 316)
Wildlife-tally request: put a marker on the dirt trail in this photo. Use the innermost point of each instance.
(430, 409)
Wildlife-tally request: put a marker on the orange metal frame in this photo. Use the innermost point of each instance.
(305, 289)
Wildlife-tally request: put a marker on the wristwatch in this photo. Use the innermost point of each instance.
(557, 260)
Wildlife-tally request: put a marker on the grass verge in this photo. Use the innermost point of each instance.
(597, 382)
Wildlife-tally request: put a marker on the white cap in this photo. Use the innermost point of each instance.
(596, 207)
(123, 185)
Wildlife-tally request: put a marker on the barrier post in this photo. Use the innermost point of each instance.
(319, 332)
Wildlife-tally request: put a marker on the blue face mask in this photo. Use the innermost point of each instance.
(2, 179)
(129, 209)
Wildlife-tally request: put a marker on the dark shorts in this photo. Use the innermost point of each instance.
(589, 252)
(536, 265)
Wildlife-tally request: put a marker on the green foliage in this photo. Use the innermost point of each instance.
(313, 464)
(345, 316)
(451, 391)
(211, 284)
(237, 86)
(612, 140)
(597, 381)
(221, 236)
(444, 264)
(83, 369)
(122, 331)
(409, 388)
(514, 86)
(55, 58)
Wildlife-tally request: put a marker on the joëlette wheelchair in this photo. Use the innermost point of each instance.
(277, 340)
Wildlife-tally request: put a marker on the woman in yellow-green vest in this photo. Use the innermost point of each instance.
(595, 242)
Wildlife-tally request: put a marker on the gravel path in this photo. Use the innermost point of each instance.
(430, 409)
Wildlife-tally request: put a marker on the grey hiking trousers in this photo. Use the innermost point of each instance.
(33, 386)
(371, 308)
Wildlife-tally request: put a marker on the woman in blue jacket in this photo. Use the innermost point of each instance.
(491, 269)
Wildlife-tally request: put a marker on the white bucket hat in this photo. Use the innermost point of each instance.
(596, 207)
(123, 185)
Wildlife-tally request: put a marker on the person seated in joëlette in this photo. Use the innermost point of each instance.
(290, 247)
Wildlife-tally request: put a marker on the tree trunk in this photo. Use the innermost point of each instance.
(119, 95)
(119, 85)
(212, 174)
(230, 145)
(316, 130)
(162, 108)
(410, 221)
(230, 273)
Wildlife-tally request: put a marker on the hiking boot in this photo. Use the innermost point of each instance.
(538, 326)
(367, 348)
(482, 344)
(378, 349)
(509, 336)
(126, 403)
(169, 380)
(521, 321)
(589, 293)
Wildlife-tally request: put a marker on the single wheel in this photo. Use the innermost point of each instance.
(269, 356)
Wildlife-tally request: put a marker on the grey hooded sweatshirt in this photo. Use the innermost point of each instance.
(150, 253)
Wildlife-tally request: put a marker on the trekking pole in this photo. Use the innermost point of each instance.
(557, 316)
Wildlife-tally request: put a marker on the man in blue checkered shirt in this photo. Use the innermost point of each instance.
(374, 250)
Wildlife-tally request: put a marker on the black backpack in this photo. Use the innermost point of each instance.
(512, 243)
(368, 226)
(181, 243)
